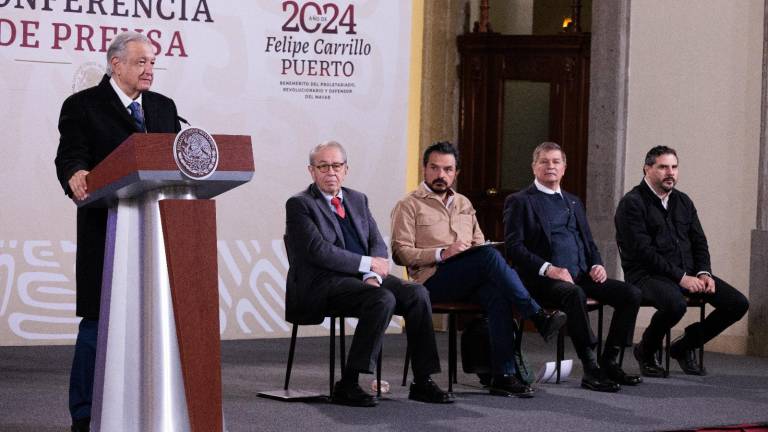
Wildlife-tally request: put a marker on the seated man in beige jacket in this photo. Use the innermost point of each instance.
(436, 236)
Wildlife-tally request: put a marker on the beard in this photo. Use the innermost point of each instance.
(663, 185)
(439, 185)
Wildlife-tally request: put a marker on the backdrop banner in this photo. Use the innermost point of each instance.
(290, 74)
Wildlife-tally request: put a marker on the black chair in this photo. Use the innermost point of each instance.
(691, 302)
(592, 305)
(331, 357)
(287, 394)
(451, 309)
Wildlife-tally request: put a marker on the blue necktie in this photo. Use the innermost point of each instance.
(137, 114)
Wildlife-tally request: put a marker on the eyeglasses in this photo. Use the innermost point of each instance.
(324, 168)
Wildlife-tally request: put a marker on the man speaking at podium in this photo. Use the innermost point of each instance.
(92, 124)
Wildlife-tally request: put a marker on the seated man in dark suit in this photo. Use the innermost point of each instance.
(432, 229)
(339, 266)
(664, 252)
(549, 241)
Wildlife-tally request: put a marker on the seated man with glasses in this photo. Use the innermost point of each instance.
(339, 266)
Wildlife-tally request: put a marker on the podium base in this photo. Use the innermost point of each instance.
(293, 395)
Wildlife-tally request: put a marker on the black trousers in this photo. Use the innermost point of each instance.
(83, 367)
(373, 307)
(483, 276)
(669, 300)
(571, 298)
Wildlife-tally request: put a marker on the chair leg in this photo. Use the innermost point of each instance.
(560, 353)
(451, 351)
(406, 365)
(332, 361)
(599, 330)
(291, 352)
(666, 353)
(342, 343)
(701, 348)
(621, 355)
(378, 374)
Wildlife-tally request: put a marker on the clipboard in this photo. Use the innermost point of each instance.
(473, 248)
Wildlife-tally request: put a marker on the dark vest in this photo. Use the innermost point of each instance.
(567, 246)
(351, 239)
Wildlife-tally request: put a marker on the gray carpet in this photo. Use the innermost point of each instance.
(33, 394)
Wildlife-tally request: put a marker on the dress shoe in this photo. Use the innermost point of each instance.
(485, 379)
(596, 380)
(610, 366)
(548, 324)
(616, 374)
(649, 365)
(428, 391)
(508, 385)
(351, 395)
(686, 357)
(81, 425)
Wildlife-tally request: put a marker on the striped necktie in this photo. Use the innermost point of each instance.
(137, 114)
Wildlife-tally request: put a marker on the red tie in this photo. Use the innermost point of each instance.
(336, 202)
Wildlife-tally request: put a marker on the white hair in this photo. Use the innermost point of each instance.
(327, 144)
(118, 46)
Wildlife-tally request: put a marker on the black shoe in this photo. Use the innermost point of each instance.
(649, 365)
(613, 371)
(610, 365)
(548, 324)
(595, 379)
(428, 391)
(351, 395)
(686, 357)
(508, 385)
(81, 425)
(485, 379)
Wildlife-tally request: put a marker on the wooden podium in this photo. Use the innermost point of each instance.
(158, 353)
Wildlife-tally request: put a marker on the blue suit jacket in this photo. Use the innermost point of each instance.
(527, 234)
(316, 250)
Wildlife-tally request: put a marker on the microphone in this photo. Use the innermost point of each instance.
(183, 120)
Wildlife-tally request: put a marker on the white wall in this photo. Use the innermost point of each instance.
(694, 85)
(232, 79)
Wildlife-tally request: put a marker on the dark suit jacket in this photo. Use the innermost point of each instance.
(527, 234)
(316, 250)
(654, 241)
(93, 122)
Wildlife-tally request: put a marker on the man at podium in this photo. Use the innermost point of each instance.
(93, 123)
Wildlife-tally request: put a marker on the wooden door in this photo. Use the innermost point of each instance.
(516, 92)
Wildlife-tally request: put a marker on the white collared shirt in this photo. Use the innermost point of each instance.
(365, 261)
(545, 189)
(664, 198)
(124, 98)
(329, 197)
